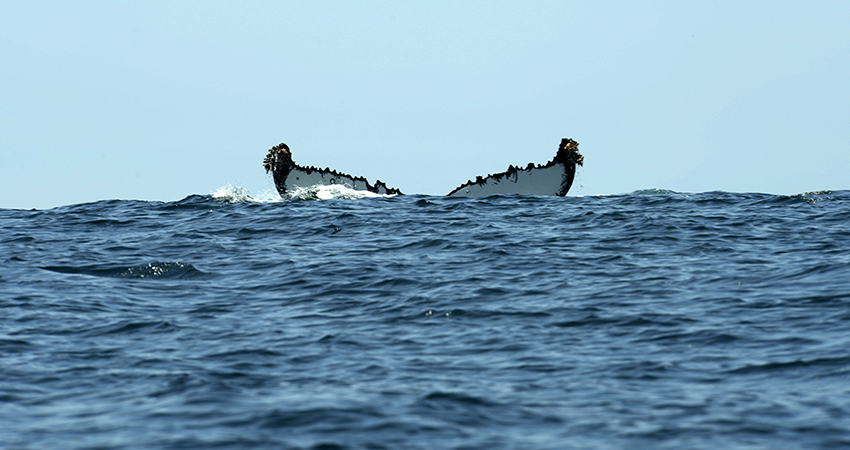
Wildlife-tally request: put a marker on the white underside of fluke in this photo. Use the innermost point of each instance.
(535, 181)
(333, 192)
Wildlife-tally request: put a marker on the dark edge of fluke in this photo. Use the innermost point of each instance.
(279, 162)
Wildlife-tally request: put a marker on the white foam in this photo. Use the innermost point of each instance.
(237, 194)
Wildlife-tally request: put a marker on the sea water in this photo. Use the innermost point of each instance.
(649, 320)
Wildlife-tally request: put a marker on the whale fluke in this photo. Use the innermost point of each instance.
(289, 176)
(553, 178)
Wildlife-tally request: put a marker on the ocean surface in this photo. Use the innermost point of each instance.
(655, 319)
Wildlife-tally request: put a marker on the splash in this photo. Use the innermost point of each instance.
(238, 194)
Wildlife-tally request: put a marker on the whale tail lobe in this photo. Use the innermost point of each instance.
(553, 178)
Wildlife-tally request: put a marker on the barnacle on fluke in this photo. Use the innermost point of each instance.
(553, 178)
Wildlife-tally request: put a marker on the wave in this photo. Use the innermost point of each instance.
(815, 196)
(809, 197)
(655, 191)
(158, 270)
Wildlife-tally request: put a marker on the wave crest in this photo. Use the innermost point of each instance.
(158, 270)
(655, 191)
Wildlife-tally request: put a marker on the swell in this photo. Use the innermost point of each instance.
(154, 271)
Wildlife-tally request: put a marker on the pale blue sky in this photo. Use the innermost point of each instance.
(160, 100)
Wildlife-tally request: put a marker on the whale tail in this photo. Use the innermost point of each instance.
(553, 178)
(289, 176)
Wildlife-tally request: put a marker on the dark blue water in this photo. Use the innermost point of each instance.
(651, 320)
